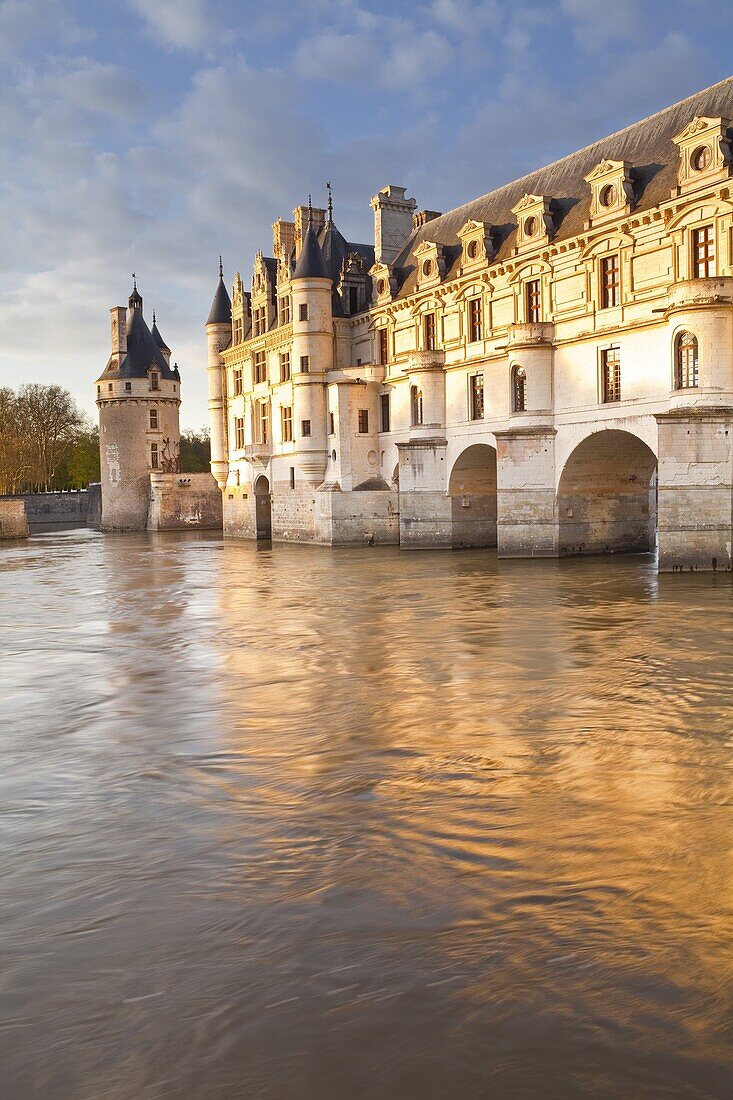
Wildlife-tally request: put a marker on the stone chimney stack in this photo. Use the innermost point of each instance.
(118, 324)
(392, 222)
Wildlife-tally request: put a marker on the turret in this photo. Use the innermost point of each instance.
(155, 333)
(219, 337)
(138, 396)
(312, 355)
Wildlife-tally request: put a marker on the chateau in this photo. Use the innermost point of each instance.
(547, 369)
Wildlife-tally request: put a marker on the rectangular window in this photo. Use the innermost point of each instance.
(331, 424)
(238, 333)
(353, 299)
(154, 380)
(610, 285)
(533, 301)
(154, 456)
(474, 320)
(259, 321)
(239, 432)
(416, 409)
(128, 387)
(703, 253)
(303, 311)
(384, 411)
(287, 423)
(382, 347)
(285, 310)
(305, 364)
(305, 428)
(476, 396)
(292, 477)
(110, 386)
(238, 390)
(610, 375)
(363, 419)
(285, 367)
(428, 332)
(261, 421)
(154, 419)
(259, 367)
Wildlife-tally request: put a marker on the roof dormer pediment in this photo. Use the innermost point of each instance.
(705, 153)
(534, 221)
(612, 190)
(384, 283)
(430, 261)
(476, 244)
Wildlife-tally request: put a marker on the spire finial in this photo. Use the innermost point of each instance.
(134, 281)
(330, 202)
(153, 316)
(221, 267)
(310, 210)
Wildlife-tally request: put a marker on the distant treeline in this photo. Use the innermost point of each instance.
(47, 443)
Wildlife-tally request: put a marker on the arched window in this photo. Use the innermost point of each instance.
(519, 389)
(686, 362)
(416, 404)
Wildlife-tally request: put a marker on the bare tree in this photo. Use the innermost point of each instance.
(52, 421)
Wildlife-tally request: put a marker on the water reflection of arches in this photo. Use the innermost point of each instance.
(606, 499)
(263, 508)
(472, 489)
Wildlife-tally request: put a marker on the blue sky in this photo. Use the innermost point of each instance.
(150, 135)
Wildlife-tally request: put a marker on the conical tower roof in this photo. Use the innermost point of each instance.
(155, 333)
(221, 307)
(311, 264)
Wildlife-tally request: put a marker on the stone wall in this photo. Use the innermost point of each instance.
(13, 522)
(184, 502)
(359, 518)
(55, 511)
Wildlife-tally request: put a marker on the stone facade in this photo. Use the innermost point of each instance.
(547, 369)
(13, 520)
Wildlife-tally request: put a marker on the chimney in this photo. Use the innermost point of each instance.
(283, 238)
(392, 222)
(118, 319)
(301, 214)
(423, 217)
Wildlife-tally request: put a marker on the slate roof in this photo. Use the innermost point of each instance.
(311, 262)
(142, 350)
(155, 333)
(221, 307)
(646, 145)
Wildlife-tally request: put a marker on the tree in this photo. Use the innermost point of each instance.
(195, 451)
(53, 422)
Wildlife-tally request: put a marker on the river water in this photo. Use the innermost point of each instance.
(302, 824)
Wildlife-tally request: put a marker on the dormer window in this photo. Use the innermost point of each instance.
(705, 153)
(612, 190)
(427, 268)
(534, 221)
(430, 262)
(476, 241)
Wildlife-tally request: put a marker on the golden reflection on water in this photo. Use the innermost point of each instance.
(295, 823)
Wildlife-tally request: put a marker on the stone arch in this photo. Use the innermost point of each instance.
(606, 497)
(263, 508)
(472, 490)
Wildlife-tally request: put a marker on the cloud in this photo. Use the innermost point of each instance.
(183, 24)
(24, 23)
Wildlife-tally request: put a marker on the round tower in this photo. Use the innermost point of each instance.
(312, 356)
(219, 337)
(138, 397)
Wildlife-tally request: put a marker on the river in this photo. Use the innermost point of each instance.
(301, 824)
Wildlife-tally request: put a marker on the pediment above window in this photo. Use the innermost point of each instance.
(430, 263)
(384, 283)
(705, 153)
(534, 221)
(612, 190)
(261, 283)
(477, 246)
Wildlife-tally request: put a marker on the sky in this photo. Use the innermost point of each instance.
(152, 135)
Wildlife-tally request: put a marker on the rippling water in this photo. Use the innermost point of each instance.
(305, 824)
